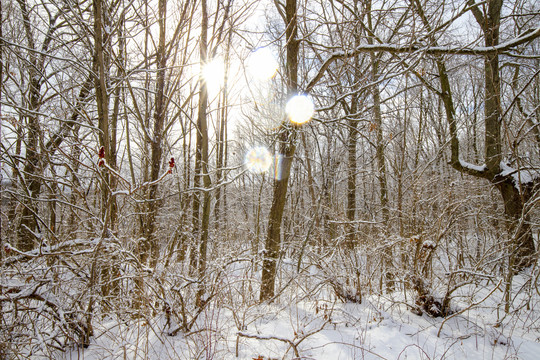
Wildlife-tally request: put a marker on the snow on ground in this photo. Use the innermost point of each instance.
(379, 328)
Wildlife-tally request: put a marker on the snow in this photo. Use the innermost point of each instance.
(521, 176)
(48, 249)
(467, 165)
(379, 328)
(527, 36)
(428, 244)
(306, 321)
(121, 192)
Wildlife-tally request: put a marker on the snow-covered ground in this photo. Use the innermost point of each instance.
(378, 328)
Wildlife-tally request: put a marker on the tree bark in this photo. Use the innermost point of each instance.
(352, 167)
(29, 224)
(287, 147)
(149, 251)
(102, 100)
(201, 221)
(514, 200)
(222, 139)
(380, 155)
(523, 249)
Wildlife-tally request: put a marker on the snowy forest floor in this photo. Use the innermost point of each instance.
(319, 327)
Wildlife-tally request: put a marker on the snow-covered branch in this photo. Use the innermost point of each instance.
(472, 169)
(44, 250)
(131, 188)
(524, 38)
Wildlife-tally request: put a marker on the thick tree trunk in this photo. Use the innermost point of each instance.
(352, 123)
(102, 101)
(107, 140)
(28, 225)
(273, 237)
(351, 182)
(383, 187)
(523, 250)
(287, 147)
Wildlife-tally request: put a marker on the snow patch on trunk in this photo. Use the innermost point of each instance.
(519, 176)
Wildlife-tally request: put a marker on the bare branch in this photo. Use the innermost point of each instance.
(524, 38)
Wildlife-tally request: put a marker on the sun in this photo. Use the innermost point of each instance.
(213, 74)
(300, 109)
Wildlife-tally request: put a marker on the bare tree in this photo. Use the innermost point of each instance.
(29, 225)
(286, 148)
(514, 194)
(101, 68)
(499, 175)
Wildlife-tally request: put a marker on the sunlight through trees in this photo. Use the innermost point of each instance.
(248, 179)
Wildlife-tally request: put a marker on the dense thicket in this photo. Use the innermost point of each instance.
(126, 190)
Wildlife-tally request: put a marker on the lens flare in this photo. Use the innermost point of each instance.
(258, 159)
(262, 65)
(278, 167)
(300, 109)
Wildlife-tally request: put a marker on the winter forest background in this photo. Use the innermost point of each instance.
(328, 179)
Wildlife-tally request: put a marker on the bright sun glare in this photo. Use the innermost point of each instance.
(213, 74)
(258, 159)
(300, 109)
(262, 65)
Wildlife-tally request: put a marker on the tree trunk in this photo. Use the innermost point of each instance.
(381, 159)
(28, 226)
(221, 139)
(352, 124)
(107, 140)
(102, 101)
(201, 221)
(524, 248)
(351, 183)
(522, 254)
(287, 147)
(149, 251)
(273, 237)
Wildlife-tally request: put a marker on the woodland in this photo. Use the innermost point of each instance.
(286, 179)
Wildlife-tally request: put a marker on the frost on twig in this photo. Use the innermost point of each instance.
(131, 188)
